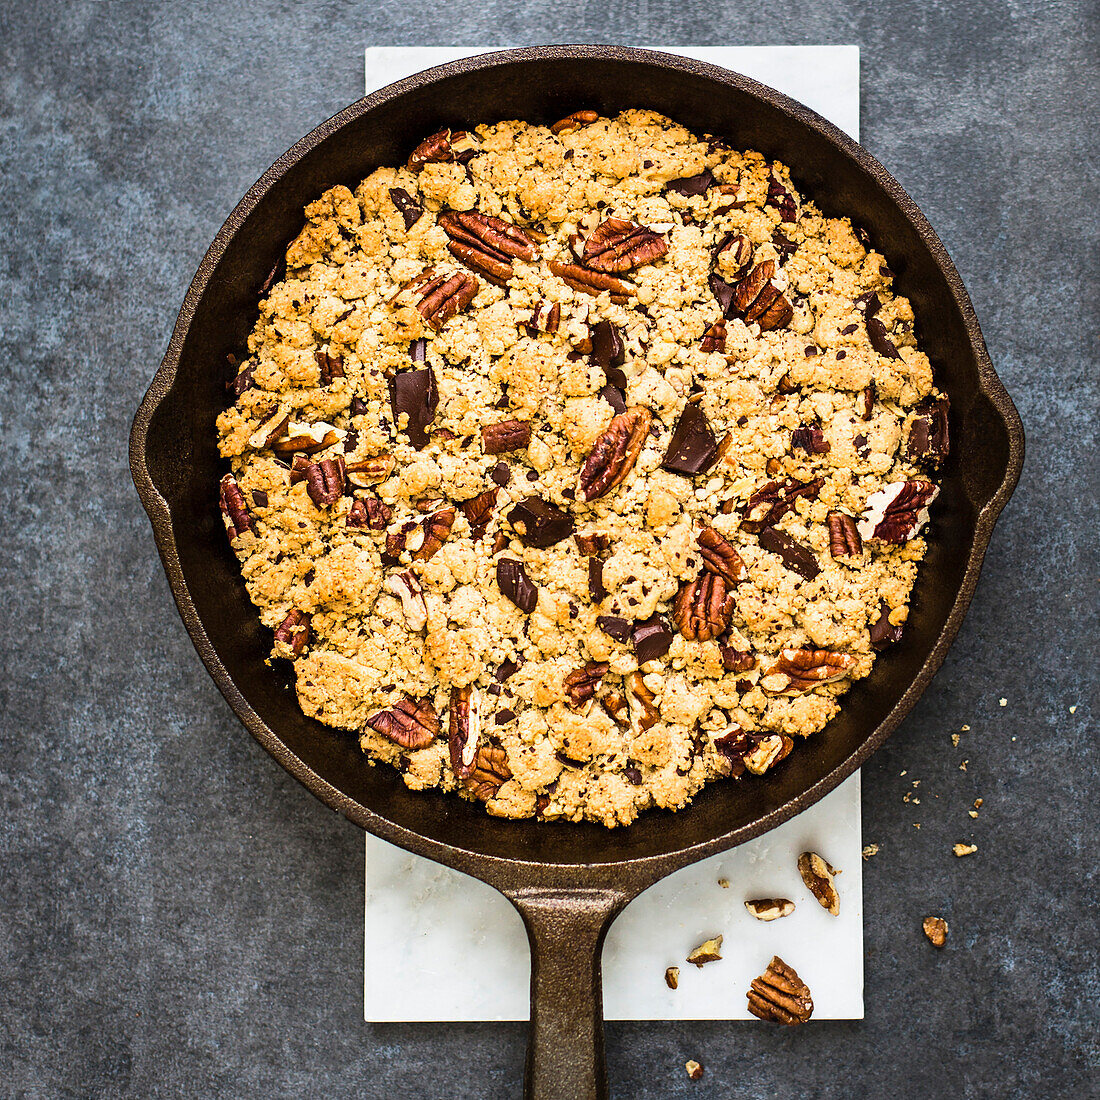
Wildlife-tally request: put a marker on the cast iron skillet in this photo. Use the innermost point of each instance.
(567, 881)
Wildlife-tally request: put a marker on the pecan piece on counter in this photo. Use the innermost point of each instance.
(928, 441)
(574, 122)
(714, 339)
(329, 366)
(505, 436)
(442, 297)
(545, 317)
(464, 729)
(898, 512)
(880, 340)
(479, 511)
(407, 589)
(617, 245)
(516, 585)
(437, 527)
(796, 556)
(672, 977)
(410, 210)
(757, 298)
(694, 1069)
(325, 481)
(592, 282)
(935, 928)
(486, 244)
(369, 471)
(703, 607)
(800, 670)
(720, 557)
(781, 197)
(708, 951)
(780, 498)
(292, 634)
(817, 874)
(411, 723)
(641, 705)
(693, 448)
(769, 909)
(810, 440)
(233, 508)
(780, 995)
(615, 453)
(737, 251)
(844, 540)
(444, 147)
(581, 684)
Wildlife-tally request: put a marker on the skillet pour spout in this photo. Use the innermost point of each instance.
(567, 881)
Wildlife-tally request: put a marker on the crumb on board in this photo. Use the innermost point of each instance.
(964, 849)
(870, 850)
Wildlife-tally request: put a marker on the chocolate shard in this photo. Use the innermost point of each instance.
(796, 557)
(928, 441)
(514, 582)
(689, 186)
(693, 448)
(883, 633)
(652, 638)
(539, 523)
(615, 398)
(409, 209)
(608, 352)
(880, 341)
(595, 580)
(507, 668)
(414, 393)
(723, 294)
(615, 627)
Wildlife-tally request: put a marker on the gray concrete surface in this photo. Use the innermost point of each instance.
(177, 917)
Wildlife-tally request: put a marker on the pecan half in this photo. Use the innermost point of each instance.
(307, 439)
(721, 558)
(780, 995)
(479, 510)
(641, 704)
(592, 282)
(407, 589)
(329, 366)
(708, 951)
(714, 339)
(325, 481)
(411, 723)
(436, 527)
(817, 874)
(508, 435)
(574, 122)
(444, 147)
(895, 514)
(935, 928)
(804, 669)
(292, 634)
(369, 471)
(703, 607)
(485, 243)
(489, 773)
(736, 250)
(757, 298)
(581, 684)
(780, 498)
(769, 909)
(615, 453)
(442, 297)
(371, 513)
(844, 540)
(464, 729)
(233, 508)
(616, 245)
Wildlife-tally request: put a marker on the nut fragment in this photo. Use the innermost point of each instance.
(369, 471)
(769, 909)
(307, 439)
(446, 146)
(574, 122)
(708, 951)
(780, 995)
(714, 339)
(616, 245)
(811, 440)
(672, 977)
(935, 928)
(325, 481)
(437, 527)
(817, 874)
(615, 453)
(702, 608)
(767, 752)
(733, 254)
(758, 298)
(489, 773)
(964, 849)
(592, 282)
(780, 497)
(844, 540)
(442, 297)
(545, 317)
(720, 557)
(505, 436)
(694, 1069)
(233, 508)
(592, 544)
(581, 684)
(486, 244)
(292, 634)
(898, 512)
(640, 704)
(464, 729)
(329, 366)
(799, 670)
(479, 511)
(410, 723)
(407, 589)
(410, 210)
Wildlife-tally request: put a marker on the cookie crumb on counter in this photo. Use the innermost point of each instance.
(694, 1069)
(964, 849)
(869, 850)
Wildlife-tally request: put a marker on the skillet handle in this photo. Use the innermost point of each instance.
(565, 1046)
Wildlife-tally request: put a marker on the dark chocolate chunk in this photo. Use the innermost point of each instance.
(539, 523)
(633, 774)
(860, 443)
(615, 398)
(693, 448)
(501, 474)
(608, 352)
(414, 393)
(796, 557)
(409, 209)
(259, 498)
(876, 333)
(504, 716)
(928, 438)
(595, 580)
(784, 246)
(619, 629)
(516, 585)
(883, 633)
(506, 669)
(652, 639)
(358, 406)
(692, 185)
(418, 350)
(723, 294)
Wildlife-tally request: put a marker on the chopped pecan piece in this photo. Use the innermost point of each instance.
(641, 704)
(736, 660)
(370, 513)
(780, 995)
(737, 251)
(895, 514)
(325, 481)
(782, 198)
(545, 317)
(233, 508)
(714, 339)
(592, 282)
(407, 589)
(935, 928)
(581, 684)
(508, 435)
(757, 298)
(479, 510)
(810, 440)
(307, 439)
(928, 441)
(369, 471)
(489, 773)
(574, 122)
(464, 729)
(703, 607)
(409, 209)
(693, 1069)
(329, 366)
(437, 527)
(614, 703)
(270, 429)
(615, 453)
(411, 723)
(766, 752)
(796, 556)
(672, 977)
(844, 540)
(720, 557)
(817, 874)
(802, 670)
(444, 147)
(780, 498)
(442, 297)
(592, 544)
(513, 581)
(869, 395)
(769, 909)
(616, 246)
(292, 634)
(708, 951)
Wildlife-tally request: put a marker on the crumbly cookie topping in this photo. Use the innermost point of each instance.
(575, 467)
